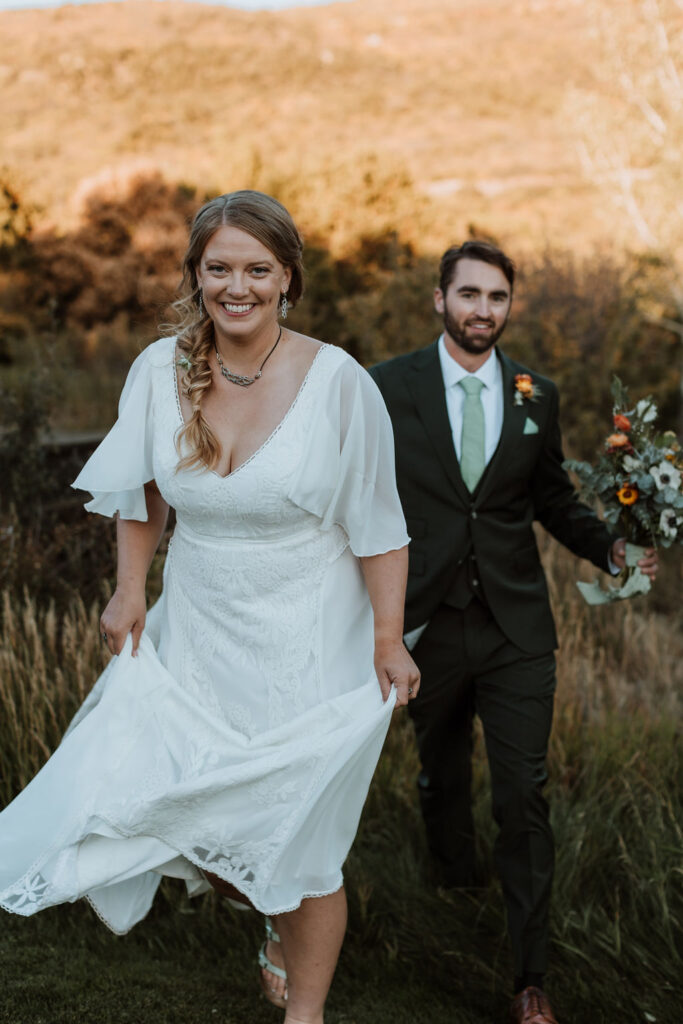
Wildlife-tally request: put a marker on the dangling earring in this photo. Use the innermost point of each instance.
(284, 305)
(200, 306)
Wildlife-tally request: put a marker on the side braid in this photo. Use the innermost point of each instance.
(196, 343)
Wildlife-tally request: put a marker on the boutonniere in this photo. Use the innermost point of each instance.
(525, 389)
(184, 362)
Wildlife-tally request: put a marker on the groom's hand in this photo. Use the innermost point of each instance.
(648, 564)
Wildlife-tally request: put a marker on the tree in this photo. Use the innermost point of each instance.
(631, 128)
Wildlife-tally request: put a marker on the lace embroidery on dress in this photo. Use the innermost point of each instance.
(30, 892)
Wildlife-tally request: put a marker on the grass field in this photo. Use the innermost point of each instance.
(413, 953)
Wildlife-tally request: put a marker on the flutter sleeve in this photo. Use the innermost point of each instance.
(347, 475)
(116, 472)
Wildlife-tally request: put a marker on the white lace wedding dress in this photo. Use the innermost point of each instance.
(243, 737)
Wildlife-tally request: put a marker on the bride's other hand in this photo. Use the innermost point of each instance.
(394, 666)
(136, 541)
(385, 577)
(124, 614)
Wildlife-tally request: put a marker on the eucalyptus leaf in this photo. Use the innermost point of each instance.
(670, 494)
(645, 483)
(574, 466)
(641, 515)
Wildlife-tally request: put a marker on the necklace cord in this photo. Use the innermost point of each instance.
(238, 378)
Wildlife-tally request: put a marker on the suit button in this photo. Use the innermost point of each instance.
(473, 513)
(475, 583)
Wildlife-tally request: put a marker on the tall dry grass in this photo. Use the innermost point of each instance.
(47, 666)
(615, 790)
(622, 662)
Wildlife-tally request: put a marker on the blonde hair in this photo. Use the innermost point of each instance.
(265, 219)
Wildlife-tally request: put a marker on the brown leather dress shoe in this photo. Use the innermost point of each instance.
(531, 1006)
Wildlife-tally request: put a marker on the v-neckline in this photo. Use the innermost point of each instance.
(276, 429)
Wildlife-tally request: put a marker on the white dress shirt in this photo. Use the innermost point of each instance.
(491, 376)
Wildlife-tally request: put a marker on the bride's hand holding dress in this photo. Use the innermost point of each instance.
(384, 578)
(136, 543)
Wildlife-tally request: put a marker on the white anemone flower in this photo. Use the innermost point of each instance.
(666, 475)
(669, 521)
(646, 410)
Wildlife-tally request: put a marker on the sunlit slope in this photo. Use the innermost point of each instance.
(465, 100)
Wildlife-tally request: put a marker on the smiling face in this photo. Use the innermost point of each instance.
(242, 283)
(475, 306)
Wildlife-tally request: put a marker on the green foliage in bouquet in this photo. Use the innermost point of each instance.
(637, 483)
(637, 478)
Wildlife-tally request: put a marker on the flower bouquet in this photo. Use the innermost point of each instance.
(637, 481)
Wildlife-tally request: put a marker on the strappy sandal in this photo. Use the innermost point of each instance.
(266, 964)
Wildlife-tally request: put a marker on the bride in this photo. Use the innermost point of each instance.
(232, 738)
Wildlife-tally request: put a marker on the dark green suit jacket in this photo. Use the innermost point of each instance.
(523, 481)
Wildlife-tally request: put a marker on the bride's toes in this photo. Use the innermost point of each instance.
(276, 984)
(273, 974)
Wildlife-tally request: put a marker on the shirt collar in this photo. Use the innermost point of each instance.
(453, 372)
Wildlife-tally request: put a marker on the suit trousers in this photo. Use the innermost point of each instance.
(468, 666)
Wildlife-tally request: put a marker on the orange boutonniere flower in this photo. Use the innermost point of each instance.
(627, 494)
(525, 388)
(618, 442)
(621, 422)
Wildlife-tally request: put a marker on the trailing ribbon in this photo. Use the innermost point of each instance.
(635, 581)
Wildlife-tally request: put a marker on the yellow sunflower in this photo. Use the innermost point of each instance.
(627, 494)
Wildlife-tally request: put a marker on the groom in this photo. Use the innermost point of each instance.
(479, 458)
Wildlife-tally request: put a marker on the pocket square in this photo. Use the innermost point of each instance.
(530, 427)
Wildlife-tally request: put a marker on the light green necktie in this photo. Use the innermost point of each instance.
(472, 446)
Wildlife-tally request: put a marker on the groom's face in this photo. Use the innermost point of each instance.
(476, 305)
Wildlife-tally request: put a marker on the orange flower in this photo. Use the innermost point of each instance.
(524, 384)
(627, 494)
(621, 422)
(618, 441)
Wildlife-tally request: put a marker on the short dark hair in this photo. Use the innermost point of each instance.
(474, 250)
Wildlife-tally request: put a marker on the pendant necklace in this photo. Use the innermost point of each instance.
(238, 378)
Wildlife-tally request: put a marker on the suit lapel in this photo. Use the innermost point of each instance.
(514, 417)
(427, 389)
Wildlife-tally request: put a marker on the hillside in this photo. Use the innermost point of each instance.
(421, 114)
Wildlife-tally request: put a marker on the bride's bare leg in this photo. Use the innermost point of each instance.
(226, 889)
(311, 937)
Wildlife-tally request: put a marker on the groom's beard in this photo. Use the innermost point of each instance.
(474, 344)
